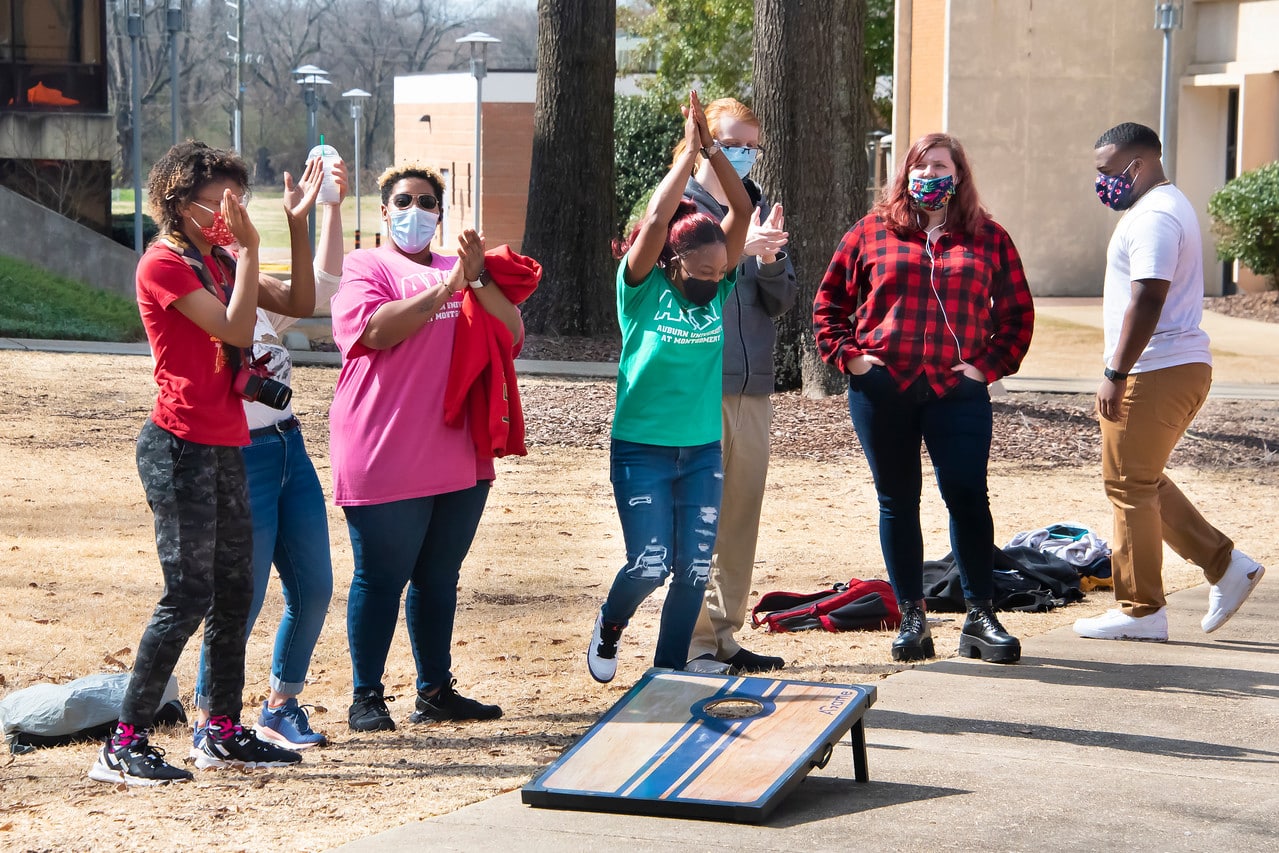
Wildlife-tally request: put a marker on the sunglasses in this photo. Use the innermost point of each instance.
(404, 201)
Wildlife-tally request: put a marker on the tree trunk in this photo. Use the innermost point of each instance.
(808, 96)
(570, 200)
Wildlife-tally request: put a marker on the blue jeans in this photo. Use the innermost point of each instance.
(668, 501)
(291, 530)
(956, 429)
(420, 542)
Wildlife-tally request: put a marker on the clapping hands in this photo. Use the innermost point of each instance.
(766, 236)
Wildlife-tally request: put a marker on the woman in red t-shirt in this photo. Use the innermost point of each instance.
(199, 306)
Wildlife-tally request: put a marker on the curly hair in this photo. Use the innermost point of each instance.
(177, 178)
(964, 214)
(413, 169)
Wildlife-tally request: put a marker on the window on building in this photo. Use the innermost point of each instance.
(52, 55)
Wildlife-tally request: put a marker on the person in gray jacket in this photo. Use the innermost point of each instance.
(766, 289)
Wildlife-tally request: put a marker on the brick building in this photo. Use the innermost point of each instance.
(435, 123)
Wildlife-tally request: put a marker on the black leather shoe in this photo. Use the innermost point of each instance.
(748, 661)
(914, 639)
(983, 637)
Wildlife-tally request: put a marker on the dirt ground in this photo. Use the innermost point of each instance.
(78, 579)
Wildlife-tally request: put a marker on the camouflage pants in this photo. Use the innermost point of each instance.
(204, 539)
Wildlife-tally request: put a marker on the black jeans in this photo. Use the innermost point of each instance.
(204, 539)
(956, 429)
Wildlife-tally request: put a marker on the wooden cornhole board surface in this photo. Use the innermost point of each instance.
(671, 746)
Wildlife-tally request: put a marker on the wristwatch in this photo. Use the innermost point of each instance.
(479, 282)
(709, 150)
(1114, 375)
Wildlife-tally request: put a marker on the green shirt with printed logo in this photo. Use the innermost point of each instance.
(669, 377)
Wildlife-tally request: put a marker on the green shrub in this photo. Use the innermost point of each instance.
(38, 304)
(122, 229)
(645, 130)
(1245, 218)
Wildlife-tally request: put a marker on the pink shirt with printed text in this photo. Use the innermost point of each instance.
(388, 440)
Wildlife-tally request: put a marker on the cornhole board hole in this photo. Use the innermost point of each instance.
(684, 744)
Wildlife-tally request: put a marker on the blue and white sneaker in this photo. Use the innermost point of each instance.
(288, 726)
(197, 737)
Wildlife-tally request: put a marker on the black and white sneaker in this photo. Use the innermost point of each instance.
(139, 763)
(447, 704)
(242, 749)
(601, 657)
(368, 713)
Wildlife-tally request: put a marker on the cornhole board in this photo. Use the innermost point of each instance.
(684, 744)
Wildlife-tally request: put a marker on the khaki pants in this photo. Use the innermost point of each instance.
(1149, 509)
(747, 420)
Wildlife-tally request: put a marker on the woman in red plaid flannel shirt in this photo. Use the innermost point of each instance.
(923, 306)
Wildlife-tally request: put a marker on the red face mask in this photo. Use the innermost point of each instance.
(219, 233)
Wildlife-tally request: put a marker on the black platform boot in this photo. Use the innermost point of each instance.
(914, 640)
(983, 637)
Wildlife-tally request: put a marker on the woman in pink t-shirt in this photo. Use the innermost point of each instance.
(412, 488)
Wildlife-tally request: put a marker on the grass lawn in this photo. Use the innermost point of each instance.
(267, 213)
(38, 304)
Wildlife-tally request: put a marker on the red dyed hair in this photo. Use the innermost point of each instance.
(689, 229)
(964, 212)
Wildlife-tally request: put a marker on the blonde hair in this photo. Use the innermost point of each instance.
(411, 169)
(721, 108)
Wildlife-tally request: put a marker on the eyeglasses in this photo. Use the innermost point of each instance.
(404, 201)
(758, 149)
(217, 202)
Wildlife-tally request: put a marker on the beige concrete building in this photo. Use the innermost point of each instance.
(435, 123)
(56, 134)
(1029, 86)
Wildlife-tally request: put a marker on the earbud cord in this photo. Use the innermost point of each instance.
(932, 284)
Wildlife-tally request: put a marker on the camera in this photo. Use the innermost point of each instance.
(253, 382)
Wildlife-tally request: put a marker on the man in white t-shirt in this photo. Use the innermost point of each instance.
(1158, 370)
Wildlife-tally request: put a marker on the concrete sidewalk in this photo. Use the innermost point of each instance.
(1085, 745)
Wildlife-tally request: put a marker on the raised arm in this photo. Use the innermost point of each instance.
(232, 323)
(648, 243)
(297, 298)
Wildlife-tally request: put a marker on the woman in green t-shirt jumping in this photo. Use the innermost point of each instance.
(666, 464)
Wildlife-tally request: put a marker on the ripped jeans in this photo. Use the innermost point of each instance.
(668, 501)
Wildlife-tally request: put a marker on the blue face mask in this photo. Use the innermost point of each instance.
(741, 157)
(413, 229)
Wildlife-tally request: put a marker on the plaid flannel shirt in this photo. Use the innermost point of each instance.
(883, 296)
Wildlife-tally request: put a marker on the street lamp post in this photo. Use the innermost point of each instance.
(479, 43)
(1167, 19)
(309, 77)
(357, 98)
(173, 20)
(135, 117)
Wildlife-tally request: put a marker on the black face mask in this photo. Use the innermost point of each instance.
(700, 291)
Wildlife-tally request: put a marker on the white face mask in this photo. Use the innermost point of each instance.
(412, 229)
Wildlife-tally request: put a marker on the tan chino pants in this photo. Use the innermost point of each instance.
(747, 420)
(1149, 509)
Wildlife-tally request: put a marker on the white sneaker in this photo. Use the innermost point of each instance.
(1227, 595)
(1117, 625)
(601, 657)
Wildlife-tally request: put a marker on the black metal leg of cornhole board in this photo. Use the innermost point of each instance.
(722, 747)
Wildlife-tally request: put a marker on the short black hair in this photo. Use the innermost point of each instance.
(1131, 135)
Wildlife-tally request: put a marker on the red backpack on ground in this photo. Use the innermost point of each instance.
(855, 606)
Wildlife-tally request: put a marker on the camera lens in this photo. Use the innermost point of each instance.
(274, 394)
